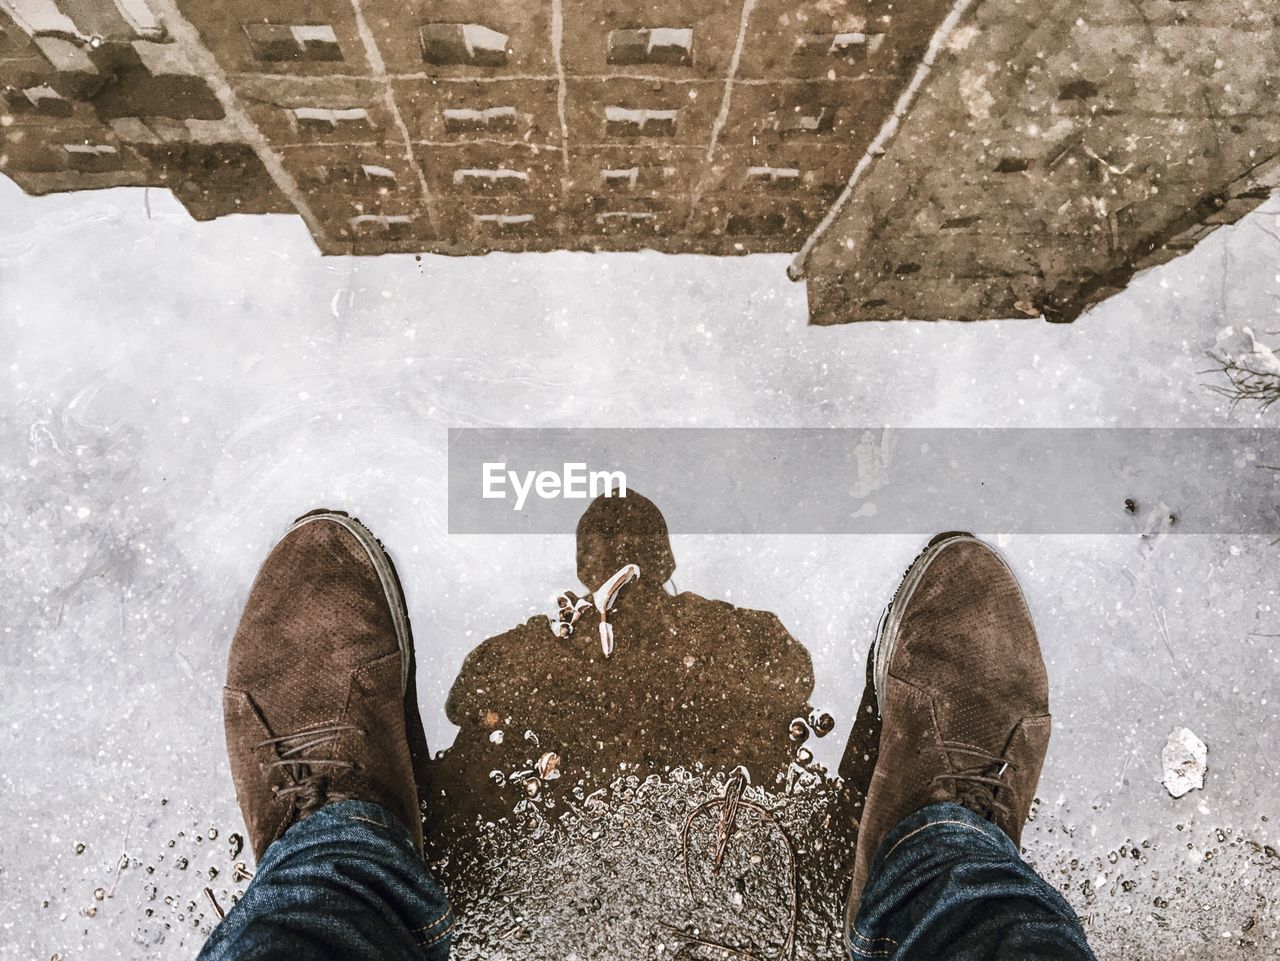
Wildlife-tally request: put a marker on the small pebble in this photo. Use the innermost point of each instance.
(549, 766)
(822, 723)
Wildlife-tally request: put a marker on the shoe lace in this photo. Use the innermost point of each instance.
(309, 788)
(977, 778)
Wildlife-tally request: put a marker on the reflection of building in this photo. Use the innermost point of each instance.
(1042, 151)
(1054, 149)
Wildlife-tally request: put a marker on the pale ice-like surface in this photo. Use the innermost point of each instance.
(174, 393)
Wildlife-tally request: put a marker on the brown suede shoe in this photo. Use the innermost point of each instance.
(320, 704)
(963, 695)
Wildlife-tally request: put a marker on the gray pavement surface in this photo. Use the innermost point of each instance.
(173, 393)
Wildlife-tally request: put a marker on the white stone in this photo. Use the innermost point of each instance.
(1184, 760)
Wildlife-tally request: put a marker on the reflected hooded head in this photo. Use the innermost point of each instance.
(615, 531)
(737, 675)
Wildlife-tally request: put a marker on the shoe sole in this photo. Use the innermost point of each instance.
(891, 618)
(387, 576)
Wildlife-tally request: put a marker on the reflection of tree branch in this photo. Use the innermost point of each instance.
(1214, 122)
(1245, 383)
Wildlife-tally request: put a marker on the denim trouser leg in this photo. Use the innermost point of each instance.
(344, 883)
(947, 885)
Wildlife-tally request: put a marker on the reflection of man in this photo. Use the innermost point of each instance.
(689, 680)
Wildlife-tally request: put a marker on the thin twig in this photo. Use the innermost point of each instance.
(124, 853)
(217, 908)
(705, 943)
(789, 943)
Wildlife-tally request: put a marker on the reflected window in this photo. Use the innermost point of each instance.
(503, 221)
(463, 44)
(840, 45)
(393, 226)
(92, 156)
(622, 178)
(640, 122)
(800, 121)
(328, 119)
(779, 177)
(497, 179)
(40, 99)
(471, 120)
(671, 46)
(274, 42)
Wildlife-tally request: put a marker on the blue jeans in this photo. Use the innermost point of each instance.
(947, 885)
(347, 883)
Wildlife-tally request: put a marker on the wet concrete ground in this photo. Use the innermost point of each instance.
(172, 394)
